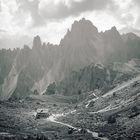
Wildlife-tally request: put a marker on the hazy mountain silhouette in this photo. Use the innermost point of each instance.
(25, 70)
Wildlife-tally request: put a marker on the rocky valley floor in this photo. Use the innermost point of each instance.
(114, 115)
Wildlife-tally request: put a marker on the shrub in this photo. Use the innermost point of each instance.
(79, 92)
(134, 109)
(36, 92)
(114, 94)
(111, 119)
(70, 131)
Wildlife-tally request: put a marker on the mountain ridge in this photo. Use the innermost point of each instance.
(47, 63)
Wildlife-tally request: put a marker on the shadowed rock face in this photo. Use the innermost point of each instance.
(36, 68)
(95, 76)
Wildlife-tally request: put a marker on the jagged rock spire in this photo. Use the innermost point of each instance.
(37, 42)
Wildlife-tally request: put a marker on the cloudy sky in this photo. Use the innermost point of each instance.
(21, 20)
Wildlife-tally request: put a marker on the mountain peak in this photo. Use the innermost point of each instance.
(37, 42)
(114, 28)
(80, 30)
(113, 32)
(129, 36)
(83, 24)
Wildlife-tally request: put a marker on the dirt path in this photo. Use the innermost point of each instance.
(53, 118)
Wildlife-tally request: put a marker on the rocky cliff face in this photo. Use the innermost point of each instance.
(24, 70)
(96, 77)
(132, 45)
(27, 67)
(114, 46)
(81, 46)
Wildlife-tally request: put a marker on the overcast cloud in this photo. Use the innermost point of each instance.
(50, 19)
(64, 9)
